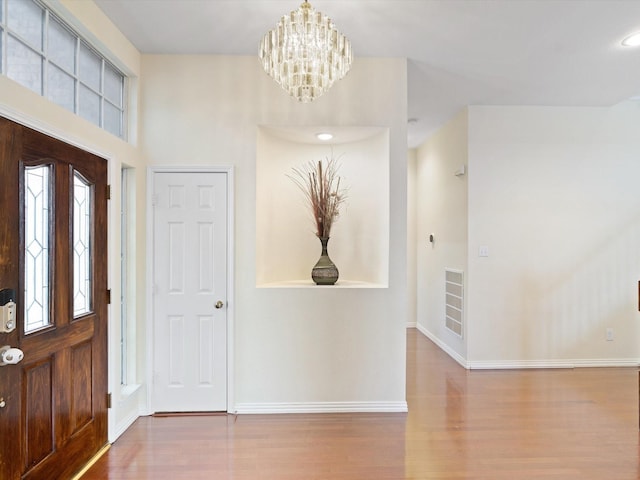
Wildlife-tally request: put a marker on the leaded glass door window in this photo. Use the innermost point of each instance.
(37, 271)
(82, 193)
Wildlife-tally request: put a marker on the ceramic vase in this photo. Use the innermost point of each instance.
(324, 272)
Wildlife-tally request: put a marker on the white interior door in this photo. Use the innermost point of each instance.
(189, 292)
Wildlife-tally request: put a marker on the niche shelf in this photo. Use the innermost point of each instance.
(286, 245)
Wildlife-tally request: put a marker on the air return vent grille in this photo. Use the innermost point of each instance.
(454, 300)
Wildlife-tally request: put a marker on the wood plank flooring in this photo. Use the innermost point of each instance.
(573, 424)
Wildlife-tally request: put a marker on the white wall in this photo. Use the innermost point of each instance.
(23, 106)
(442, 211)
(553, 193)
(295, 349)
(328, 348)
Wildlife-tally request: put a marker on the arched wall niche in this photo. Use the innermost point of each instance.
(286, 245)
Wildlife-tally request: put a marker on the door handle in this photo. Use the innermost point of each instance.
(10, 356)
(219, 304)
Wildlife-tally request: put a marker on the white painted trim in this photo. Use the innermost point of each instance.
(443, 346)
(528, 364)
(149, 293)
(322, 407)
(412, 325)
(548, 364)
(122, 426)
(126, 398)
(605, 363)
(231, 398)
(229, 170)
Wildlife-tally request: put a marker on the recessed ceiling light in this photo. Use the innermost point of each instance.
(632, 40)
(324, 136)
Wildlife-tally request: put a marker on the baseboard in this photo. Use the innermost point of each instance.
(520, 364)
(412, 325)
(443, 346)
(570, 363)
(613, 362)
(122, 427)
(528, 364)
(322, 407)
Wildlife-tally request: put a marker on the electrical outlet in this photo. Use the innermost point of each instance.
(609, 334)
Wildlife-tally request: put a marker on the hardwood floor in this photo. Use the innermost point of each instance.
(579, 424)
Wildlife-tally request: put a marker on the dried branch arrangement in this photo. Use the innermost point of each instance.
(320, 183)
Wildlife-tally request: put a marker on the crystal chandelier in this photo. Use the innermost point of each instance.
(305, 54)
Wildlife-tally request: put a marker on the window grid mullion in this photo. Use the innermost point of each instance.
(76, 78)
(45, 55)
(3, 37)
(21, 39)
(3, 49)
(47, 64)
(39, 50)
(102, 92)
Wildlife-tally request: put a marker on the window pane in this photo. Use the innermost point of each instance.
(81, 246)
(24, 65)
(61, 88)
(26, 18)
(37, 199)
(89, 107)
(112, 119)
(61, 47)
(90, 68)
(43, 53)
(113, 83)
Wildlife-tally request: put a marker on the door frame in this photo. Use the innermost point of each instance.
(230, 306)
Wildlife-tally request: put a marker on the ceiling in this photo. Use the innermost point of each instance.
(460, 52)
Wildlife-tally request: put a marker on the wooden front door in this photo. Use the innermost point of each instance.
(53, 253)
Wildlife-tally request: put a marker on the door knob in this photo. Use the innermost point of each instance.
(10, 356)
(219, 304)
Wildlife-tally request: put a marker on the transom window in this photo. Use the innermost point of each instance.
(41, 52)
